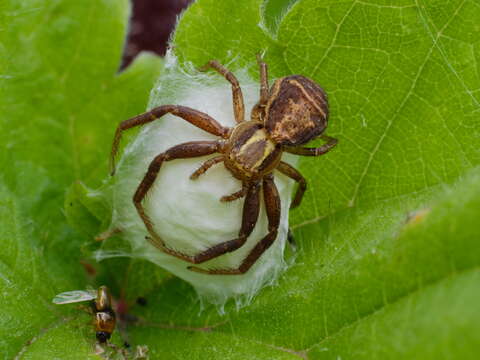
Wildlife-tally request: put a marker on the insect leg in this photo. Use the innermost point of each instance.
(272, 205)
(294, 174)
(197, 118)
(298, 150)
(238, 106)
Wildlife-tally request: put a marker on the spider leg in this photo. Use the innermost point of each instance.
(251, 206)
(272, 204)
(251, 209)
(263, 81)
(197, 118)
(206, 165)
(298, 150)
(238, 106)
(181, 151)
(294, 174)
(236, 195)
(259, 108)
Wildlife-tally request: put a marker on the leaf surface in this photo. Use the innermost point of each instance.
(61, 97)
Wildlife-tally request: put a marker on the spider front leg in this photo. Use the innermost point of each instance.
(238, 105)
(197, 118)
(272, 205)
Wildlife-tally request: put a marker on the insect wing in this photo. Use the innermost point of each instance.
(74, 296)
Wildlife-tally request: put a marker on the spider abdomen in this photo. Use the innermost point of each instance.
(296, 111)
(250, 153)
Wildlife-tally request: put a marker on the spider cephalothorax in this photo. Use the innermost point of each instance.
(289, 114)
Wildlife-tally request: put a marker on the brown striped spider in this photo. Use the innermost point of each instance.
(289, 114)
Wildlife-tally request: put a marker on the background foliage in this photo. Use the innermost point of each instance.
(403, 80)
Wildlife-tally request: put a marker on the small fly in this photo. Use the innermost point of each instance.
(101, 302)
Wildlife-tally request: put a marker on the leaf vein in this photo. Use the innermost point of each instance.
(400, 108)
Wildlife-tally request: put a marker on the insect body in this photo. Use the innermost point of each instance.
(102, 308)
(288, 115)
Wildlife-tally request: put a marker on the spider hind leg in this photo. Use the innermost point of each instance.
(251, 209)
(272, 204)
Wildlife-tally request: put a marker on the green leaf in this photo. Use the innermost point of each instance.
(88, 211)
(401, 82)
(274, 11)
(388, 257)
(403, 329)
(60, 99)
(233, 34)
